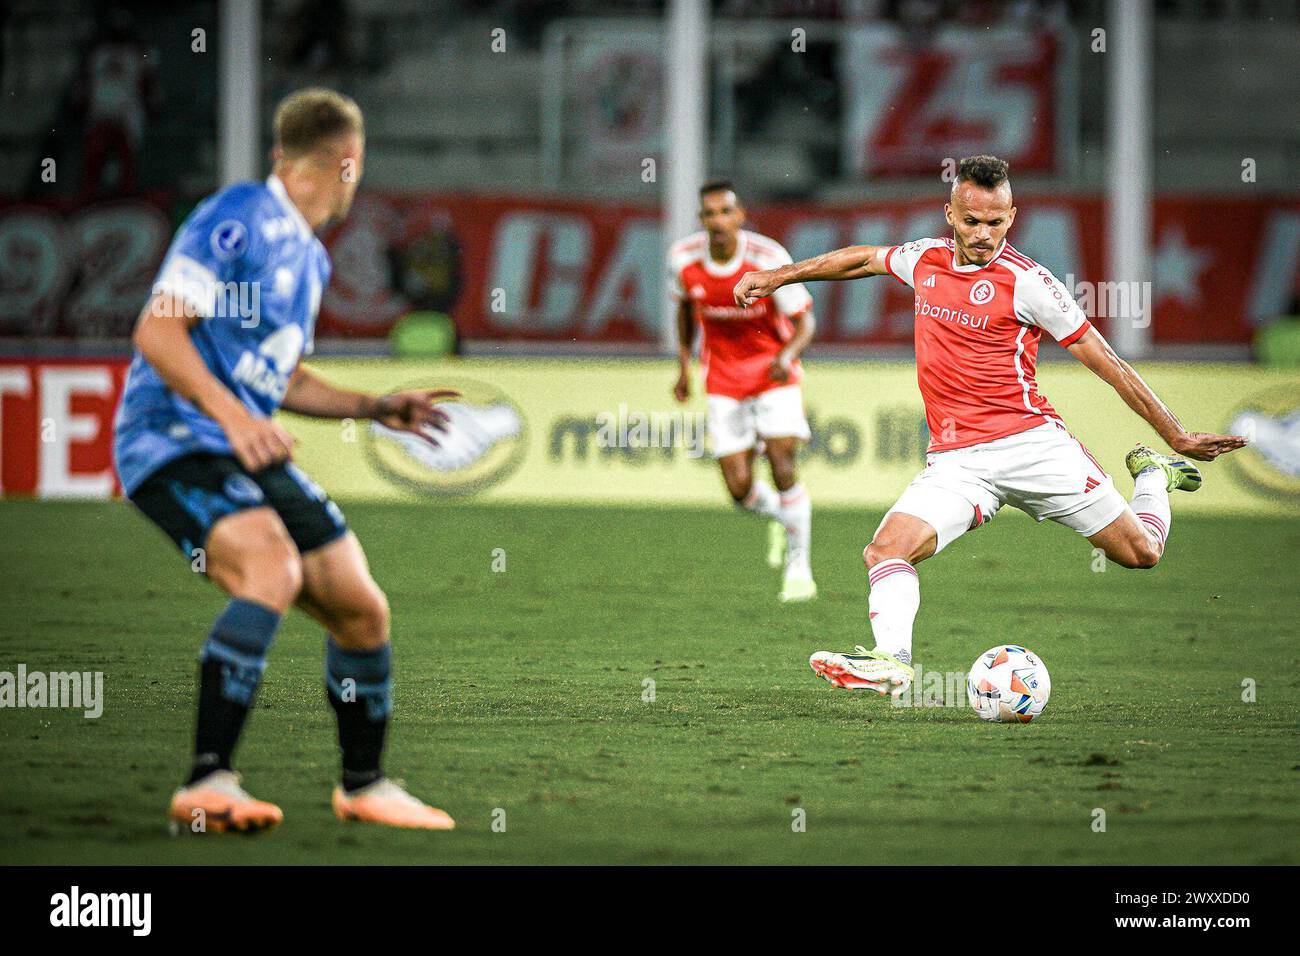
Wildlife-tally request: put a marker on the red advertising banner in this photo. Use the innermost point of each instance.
(566, 271)
(56, 427)
(507, 267)
(1003, 90)
(79, 271)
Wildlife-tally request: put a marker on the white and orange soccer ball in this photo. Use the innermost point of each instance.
(1009, 684)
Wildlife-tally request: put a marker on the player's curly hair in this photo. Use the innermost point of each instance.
(308, 118)
(987, 172)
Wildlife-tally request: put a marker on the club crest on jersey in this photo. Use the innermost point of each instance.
(229, 239)
(981, 293)
(267, 371)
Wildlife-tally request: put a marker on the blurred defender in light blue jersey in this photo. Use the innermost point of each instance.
(218, 350)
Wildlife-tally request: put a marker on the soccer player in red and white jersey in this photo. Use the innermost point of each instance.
(750, 358)
(981, 308)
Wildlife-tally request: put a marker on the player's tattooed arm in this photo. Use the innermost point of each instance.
(851, 262)
(685, 343)
(162, 336)
(1095, 352)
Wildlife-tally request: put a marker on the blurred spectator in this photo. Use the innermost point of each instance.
(979, 13)
(117, 91)
(811, 9)
(318, 35)
(919, 19)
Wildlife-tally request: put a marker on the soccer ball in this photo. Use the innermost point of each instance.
(1008, 684)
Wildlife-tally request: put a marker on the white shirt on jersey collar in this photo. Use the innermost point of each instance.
(274, 184)
(973, 267)
(723, 269)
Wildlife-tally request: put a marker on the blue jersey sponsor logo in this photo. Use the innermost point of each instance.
(267, 369)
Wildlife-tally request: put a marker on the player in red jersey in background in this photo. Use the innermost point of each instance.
(750, 358)
(981, 308)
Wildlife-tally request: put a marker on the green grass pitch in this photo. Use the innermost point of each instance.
(523, 692)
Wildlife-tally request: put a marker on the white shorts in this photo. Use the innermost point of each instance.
(737, 424)
(1045, 472)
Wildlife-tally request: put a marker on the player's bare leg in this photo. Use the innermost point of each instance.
(901, 536)
(738, 474)
(339, 592)
(755, 495)
(251, 557)
(1136, 539)
(796, 519)
(901, 542)
(1128, 542)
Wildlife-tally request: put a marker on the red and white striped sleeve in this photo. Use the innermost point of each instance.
(680, 255)
(1041, 299)
(901, 260)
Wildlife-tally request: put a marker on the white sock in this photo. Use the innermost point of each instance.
(796, 515)
(894, 601)
(1151, 503)
(763, 500)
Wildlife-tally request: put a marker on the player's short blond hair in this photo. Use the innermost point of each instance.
(307, 119)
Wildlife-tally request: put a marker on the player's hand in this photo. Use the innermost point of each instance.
(682, 390)
(780, 368)
(259, 442)
(1204, 446)
(414, 410)
(756, 285)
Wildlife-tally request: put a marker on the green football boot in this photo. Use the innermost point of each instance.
(865, 670)
(1180, 474)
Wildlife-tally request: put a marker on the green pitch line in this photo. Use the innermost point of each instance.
(523, 691)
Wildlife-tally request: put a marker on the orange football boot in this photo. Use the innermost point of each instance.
(384, 801)
(218, 803)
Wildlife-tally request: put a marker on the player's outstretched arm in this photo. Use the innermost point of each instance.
(162, 336)
(851, 262)
(1095, 352)
(309, 394)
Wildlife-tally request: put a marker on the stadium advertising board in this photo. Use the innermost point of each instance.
(611, 432)
(590, 431)
(1002, 90)
(79, 271)
(563, 271)
(56, 427)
